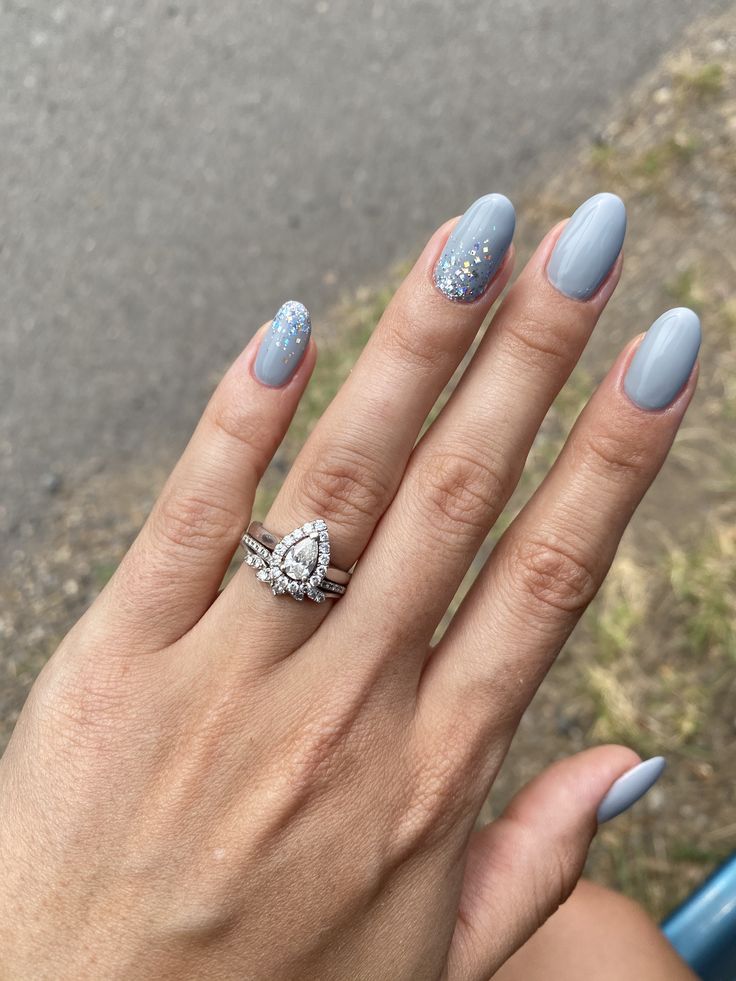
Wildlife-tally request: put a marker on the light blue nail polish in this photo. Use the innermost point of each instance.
(476, 248)
(283, 344)
(588, 246)
(630, 787)
(664, 359)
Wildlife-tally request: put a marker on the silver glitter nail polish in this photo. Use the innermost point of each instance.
(476, 248)
(284, 344)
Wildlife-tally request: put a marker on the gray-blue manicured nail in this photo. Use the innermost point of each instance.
(283, 344)
(664, 359)
(476, 248)
(630, 787)
(588, 246)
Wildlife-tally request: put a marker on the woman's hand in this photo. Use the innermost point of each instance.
(243, 786)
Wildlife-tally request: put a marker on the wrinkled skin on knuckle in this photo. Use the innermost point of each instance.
(190, 524)
(231, 416)
(538, 345)
(614, 454)
(553, 576)
(414, 339)
(345, 486)
(458, 497)
(550, 881)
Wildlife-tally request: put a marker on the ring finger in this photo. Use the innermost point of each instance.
(351, 466)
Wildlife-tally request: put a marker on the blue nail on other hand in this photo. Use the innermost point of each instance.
(630, 787)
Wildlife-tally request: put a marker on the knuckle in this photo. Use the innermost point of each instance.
(404, 336)
(558, 880)
(613, 454)
(254, 440)
(554, 576)
(539, 341)
(460, 493)
(551, 879)
(186, 522)
(345, 486)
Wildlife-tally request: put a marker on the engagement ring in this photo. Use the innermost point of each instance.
(298, 564)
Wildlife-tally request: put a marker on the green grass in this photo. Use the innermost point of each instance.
(659, 159)
(704, 582)
(686, 851)
(702, 82)
(687, 290)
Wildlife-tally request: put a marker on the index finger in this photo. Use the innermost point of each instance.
(551, 561)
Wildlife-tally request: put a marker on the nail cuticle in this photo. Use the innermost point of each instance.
(475, 249)
(283, 345)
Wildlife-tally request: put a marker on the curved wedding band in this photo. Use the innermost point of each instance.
(297, 564)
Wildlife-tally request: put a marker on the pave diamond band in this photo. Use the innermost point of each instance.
(296, 565)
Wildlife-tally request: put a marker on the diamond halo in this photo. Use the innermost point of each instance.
(299, 562)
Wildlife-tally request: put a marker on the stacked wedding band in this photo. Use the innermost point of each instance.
(298, 564)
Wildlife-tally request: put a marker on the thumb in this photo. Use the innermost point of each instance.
(523, 866)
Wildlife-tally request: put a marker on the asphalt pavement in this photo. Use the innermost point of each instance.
(171, 172)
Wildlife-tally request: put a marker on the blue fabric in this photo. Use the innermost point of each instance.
(703, 928)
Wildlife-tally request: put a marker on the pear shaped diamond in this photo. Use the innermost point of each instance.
(300, 561)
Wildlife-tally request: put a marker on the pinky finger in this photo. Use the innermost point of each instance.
(175, 567)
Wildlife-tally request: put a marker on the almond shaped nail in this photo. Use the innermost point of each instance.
(476, 248)
(630, 787)
(588, 246)
(283, 345)
(664, 360)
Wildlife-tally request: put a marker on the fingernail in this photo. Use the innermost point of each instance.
(630, 787)
(476, 248)
(283, 344)
(588, 246)
(664, 359)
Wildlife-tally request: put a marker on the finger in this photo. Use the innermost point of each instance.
(551, 561)
(350, 467)
(174, 568)
(466, 466)
(523, 866)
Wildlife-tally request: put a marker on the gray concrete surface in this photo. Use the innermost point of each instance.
(170, 172)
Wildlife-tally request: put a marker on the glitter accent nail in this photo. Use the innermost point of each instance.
(476, 248)
(283, 344)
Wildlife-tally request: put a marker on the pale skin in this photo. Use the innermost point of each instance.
(219, 785)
